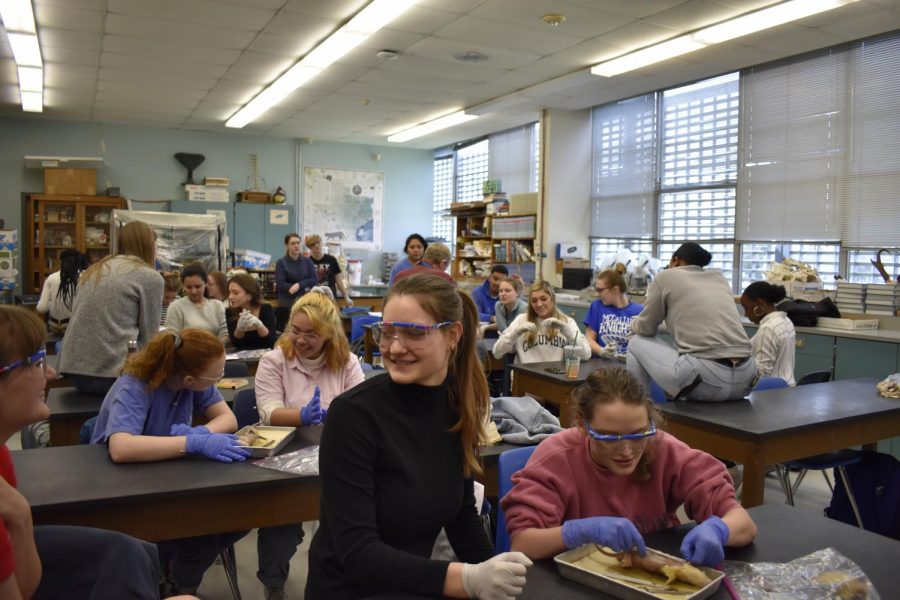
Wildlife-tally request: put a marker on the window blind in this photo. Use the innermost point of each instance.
(794, 137)
(624, 168)
(872, 211)
(511, 157)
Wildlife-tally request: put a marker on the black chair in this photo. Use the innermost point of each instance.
(837, 460)
(244, 408)
(236, 368)
(815, 377)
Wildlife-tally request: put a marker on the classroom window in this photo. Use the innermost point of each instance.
(861, 270)
(604, 249)
(442, 226)
(757, 259)
(471, 171)
(722, 256)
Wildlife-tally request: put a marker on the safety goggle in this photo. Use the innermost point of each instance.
(35, 359)
(408, 334)
(615, 437)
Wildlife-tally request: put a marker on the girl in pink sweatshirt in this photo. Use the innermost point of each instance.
(615, 476)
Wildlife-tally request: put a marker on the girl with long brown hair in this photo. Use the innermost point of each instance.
(250, 320)
(617, 476)
(397, 457)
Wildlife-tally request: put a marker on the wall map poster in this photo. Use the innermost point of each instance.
(344, 206)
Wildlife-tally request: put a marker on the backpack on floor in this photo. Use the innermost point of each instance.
(875, 482)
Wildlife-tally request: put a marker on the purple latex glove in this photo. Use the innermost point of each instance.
(312, 413)
(185, 429)
(222, 447)
(617, 533)
(705, 543)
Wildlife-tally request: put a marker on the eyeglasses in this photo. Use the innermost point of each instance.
(614, 438)
(600, 290)
(411, 335)
(213, 379)
(36, 359)
(311, 337)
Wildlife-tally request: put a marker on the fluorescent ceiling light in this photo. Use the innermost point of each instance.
(17, 15)
(714, 34)
(25, 49)
(431, 126)
(370, 19)
(647, 56)
(764, 19)
(31, 79)
(32, 101)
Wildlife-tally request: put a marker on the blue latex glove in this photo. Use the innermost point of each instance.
(222, 447)
(312, 413)
(705, 543)
(185, 429)
(617, 533)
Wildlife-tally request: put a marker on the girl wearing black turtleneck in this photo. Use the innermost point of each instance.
(397, 457)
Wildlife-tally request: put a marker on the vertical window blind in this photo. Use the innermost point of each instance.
(511, 159)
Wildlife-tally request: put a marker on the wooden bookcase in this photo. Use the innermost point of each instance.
(483, 239)
(54, 223)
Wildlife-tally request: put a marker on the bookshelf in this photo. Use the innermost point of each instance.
(484, 239)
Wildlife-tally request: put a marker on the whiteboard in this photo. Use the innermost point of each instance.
(344, 206)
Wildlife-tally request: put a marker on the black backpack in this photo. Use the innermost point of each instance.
(875, 482)
(806, 314)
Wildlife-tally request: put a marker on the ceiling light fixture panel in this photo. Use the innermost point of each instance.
(17, 16)
(714, 34)
(454, 118)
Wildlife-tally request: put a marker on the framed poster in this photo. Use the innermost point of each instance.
(344, 206)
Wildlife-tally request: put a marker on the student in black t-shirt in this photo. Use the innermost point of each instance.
(327, 268)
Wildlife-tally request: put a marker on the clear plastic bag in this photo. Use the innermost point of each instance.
(299, 462)
(823, 575)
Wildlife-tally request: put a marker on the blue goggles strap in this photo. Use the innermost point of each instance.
(36, 357)
(602, 437)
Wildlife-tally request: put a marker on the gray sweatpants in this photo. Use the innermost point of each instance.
(652, 358)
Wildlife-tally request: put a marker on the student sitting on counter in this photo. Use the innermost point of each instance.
(147, 414)
(617, 476)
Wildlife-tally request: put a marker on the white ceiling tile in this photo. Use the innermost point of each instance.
(284, 45)
(60, 17)
(395, 93)
(272, 64)
(68, 98)
(695, 14)
(69, 38)
(304, 27)
(497, 34)
(325, 8)
(422, 20)
(789, 39)
(391, 39)
(444, 49)
(128, 116)
(8, 72)
(863, 25)
(157, 79)
(456, 6)
(448, 69)
(115, 89)
(70, 56)
(157, 29)
(630, 8)
(204, 12)
(161, 65)
(98, 5)
(581, 21)
(169, 49)
(70, 76)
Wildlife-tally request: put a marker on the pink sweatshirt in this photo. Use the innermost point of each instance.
(283, 383)
(561, 482)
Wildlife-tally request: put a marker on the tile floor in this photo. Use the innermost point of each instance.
(813, 496)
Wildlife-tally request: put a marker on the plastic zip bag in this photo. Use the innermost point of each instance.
(823, 575)
(299, 462)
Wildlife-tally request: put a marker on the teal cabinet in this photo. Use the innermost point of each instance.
(579, 313)
(262, 227)
(864, 358)
(813, 353)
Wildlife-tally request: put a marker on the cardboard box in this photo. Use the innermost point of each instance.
(70, 181)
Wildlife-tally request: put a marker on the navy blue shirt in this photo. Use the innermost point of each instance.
(288, 272)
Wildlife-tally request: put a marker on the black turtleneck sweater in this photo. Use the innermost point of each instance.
(391, 475)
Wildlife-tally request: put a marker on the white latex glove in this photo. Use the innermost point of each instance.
(348, 300)
(499, 578)
(324, 290)
(553, 322)
(242, 323)
(253, 323)
(526, 327)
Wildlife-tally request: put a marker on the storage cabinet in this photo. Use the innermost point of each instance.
(864, 358)
(54, 223)
(813, 353)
